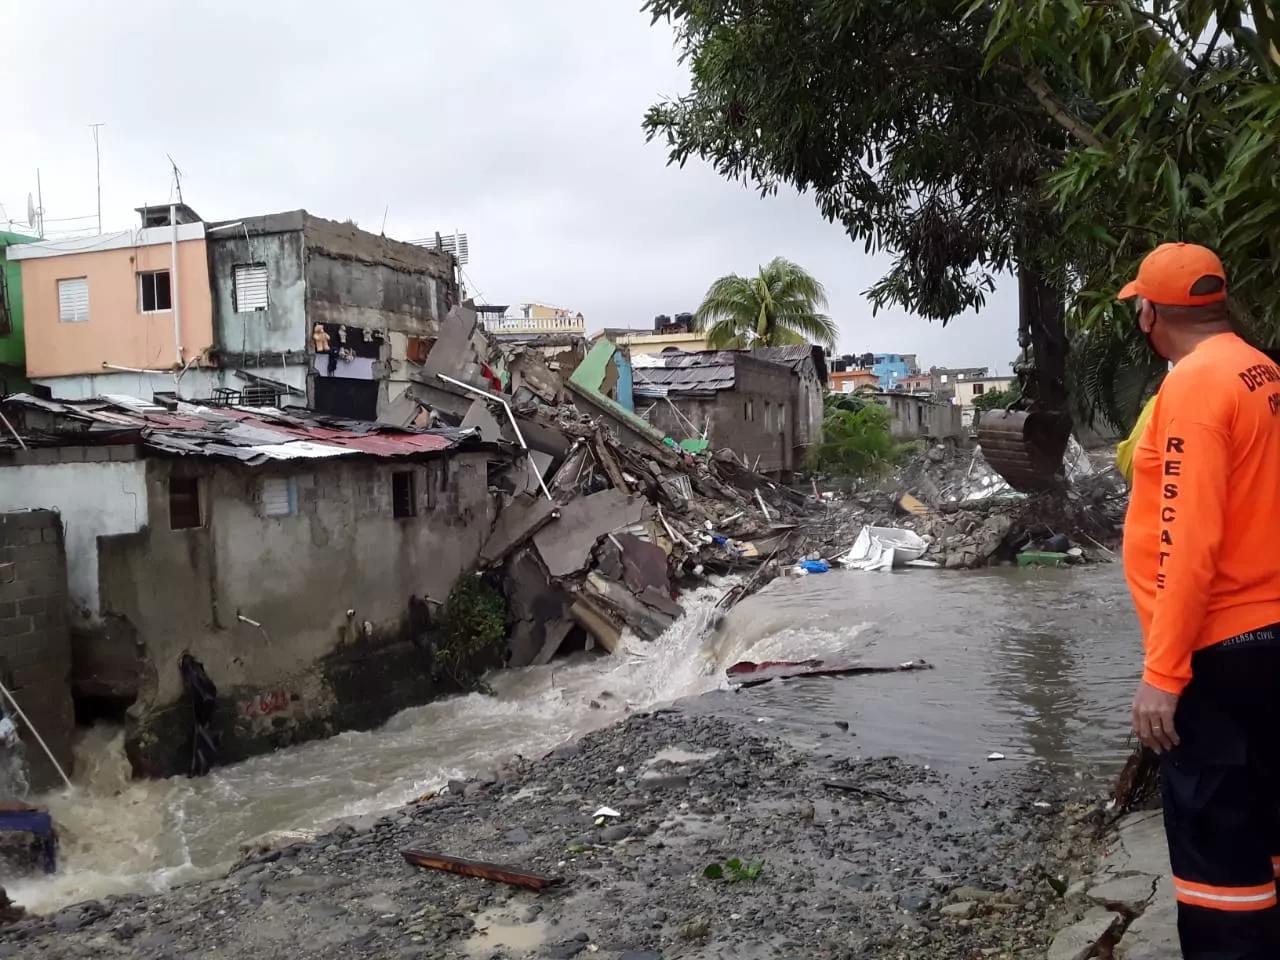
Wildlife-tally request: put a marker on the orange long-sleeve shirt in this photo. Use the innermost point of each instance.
(1201, 552)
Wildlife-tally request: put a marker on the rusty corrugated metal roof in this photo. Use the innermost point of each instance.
(248, 434)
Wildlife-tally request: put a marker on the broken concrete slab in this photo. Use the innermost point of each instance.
(534, 603)
(536, 464)
(480, 417)
(1078, 941)
(555, 633)
(1154, 935)
(530, 372)
(644, 565)
(645, 620)
(661, 601)
(1142, 847)
(597, 623)
(517, 522)
(566, 547)
(543, 438)
(1131, 893)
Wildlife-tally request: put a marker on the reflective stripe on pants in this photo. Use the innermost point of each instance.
(1221, 790)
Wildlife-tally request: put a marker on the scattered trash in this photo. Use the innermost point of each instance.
(995, 756)
(493, 872)
(814, 566)
(845, 786)
(606, 812)
(883, 548)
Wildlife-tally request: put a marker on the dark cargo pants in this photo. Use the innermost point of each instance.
(1221, 789)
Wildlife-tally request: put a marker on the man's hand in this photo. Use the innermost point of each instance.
(1153, 711)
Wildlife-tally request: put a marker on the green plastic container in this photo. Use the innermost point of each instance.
(1036, 558)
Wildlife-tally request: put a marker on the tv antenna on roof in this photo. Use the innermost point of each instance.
(35, 209)
(177, 177)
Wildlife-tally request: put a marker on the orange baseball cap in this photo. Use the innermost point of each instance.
(1167, 274)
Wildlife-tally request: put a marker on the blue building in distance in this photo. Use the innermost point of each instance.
(892, 367)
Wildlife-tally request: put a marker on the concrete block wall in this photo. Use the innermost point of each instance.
(35, 646)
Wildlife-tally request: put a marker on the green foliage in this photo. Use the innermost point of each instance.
(856, 443)
(852, 402)
(881, 110)
(1059, 138)
(997, 399)
(733, 871)
(780, 306)
(474, 627)
(1176, 136)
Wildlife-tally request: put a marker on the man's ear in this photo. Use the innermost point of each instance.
(1146, 316)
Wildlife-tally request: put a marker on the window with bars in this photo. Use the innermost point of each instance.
(154, 293)
(404, 500)
(73, 300)
(250, 287)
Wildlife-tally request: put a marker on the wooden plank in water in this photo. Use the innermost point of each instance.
(495, 872)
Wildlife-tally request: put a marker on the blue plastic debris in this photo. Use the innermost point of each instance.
(814, 566)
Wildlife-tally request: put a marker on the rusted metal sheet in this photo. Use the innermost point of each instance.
(485, 871)
(1025, 448)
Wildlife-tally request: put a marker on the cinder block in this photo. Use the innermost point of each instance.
(96, 454)
(15, 627)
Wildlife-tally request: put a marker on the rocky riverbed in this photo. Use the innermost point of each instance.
(893, 860)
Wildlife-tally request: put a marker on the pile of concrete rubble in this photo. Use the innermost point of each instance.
(601, 518)
(971, 518)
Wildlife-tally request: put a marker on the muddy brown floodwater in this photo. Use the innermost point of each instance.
(1035, 665)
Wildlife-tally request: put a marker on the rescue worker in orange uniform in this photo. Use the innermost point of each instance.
(1203, 565)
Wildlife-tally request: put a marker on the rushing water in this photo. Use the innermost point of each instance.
(1028, 663)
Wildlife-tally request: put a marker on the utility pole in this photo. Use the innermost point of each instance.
(97, 169)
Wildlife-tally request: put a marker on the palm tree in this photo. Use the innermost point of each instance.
(778, 307)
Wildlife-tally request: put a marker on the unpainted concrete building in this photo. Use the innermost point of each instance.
(333, 316)
(35, 651)
(294, 557)
(912, 416)
(730, 398)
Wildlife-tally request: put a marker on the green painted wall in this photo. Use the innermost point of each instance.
(13, 349)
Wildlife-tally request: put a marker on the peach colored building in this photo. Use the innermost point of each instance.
(117, 312)
(851, 381)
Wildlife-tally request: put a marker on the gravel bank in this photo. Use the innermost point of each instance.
(913, 863)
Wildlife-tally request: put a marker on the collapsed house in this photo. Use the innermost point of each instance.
(764, 404)
(278, 570)
(291, 553)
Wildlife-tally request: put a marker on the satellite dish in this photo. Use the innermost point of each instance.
(31, 211)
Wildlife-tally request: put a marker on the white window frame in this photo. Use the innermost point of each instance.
(275, 493)
(76, 314)
(154, 273)
(246, 269)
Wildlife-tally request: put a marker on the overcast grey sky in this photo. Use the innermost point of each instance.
(516, 121)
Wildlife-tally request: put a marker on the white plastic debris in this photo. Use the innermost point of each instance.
(606, 812)
(995, 756)
(883, 548)
(620, 771)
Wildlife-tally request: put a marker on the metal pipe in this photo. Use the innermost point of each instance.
(36, 733)
(116, 366)
(514, 426)
(16, 436)
(175, 300)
